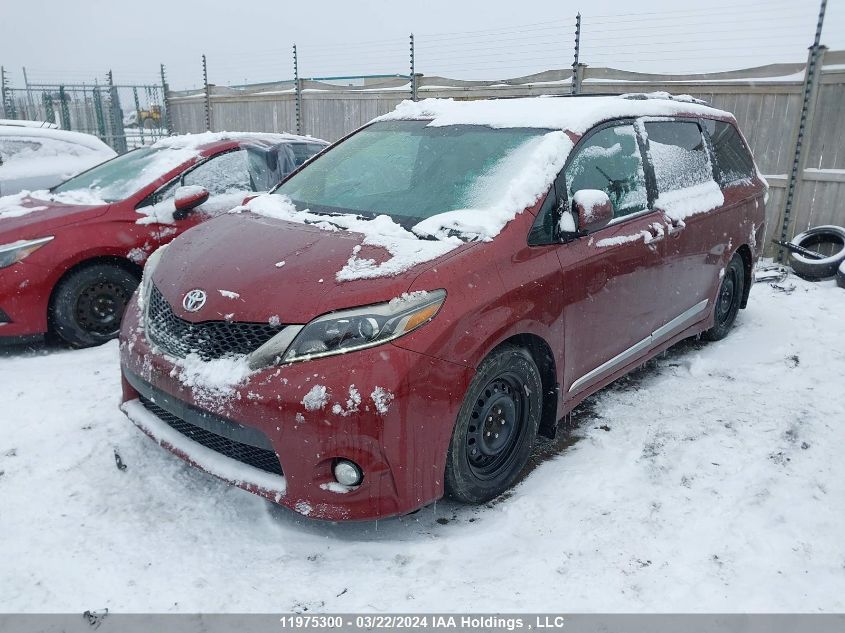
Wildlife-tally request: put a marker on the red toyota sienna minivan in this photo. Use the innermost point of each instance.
(402, 316)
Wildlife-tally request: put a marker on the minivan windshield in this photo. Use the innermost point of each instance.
(410, 170)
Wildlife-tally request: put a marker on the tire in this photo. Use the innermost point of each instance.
(728, 300)
(840, 275)
(88, 304)
(496, 426)
(819, 268)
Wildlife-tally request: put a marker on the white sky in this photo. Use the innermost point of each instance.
(80, 40)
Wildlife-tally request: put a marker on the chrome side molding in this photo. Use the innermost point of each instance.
(622, 358)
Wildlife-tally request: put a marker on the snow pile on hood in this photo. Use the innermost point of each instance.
(13, 206)
(316, 398)
(381, 398)
(556, 113)
(406, 249)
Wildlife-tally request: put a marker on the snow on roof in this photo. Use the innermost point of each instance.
(195, 141)
(576, 114)
(25, 123)
(86, 140)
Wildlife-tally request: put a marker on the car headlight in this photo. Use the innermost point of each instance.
(349, 330)
(16, 251)
(147, 276)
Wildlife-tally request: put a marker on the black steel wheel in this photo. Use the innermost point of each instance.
(728, 300)
(496, 427)
(88, 304)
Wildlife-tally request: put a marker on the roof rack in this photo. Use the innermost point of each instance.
(663, 95)
(634, 96)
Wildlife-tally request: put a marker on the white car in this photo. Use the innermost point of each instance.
(34, 157)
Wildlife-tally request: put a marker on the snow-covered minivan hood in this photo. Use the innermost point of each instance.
(256, 269)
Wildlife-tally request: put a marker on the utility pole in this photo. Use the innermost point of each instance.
(117, 132)
(413, 72)
(165, 109)
(808, 103)
(29, 97)
(298, 89)
(576, 75)
(3, 91)
(6, 96)
(138, 114)
(207, 94)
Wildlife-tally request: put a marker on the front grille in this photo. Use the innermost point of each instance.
(260, 458)
(209, 339)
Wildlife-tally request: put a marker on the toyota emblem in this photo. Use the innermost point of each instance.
(194, 300)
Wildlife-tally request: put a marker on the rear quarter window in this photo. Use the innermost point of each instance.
(304, 151)
(15, 148)
(678, 153)
(733, 161)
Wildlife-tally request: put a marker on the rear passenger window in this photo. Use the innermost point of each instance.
(304, 151)
(732, 158)
(610, 161)
(678, 154)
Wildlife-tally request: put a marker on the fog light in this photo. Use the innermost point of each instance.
(347, 473)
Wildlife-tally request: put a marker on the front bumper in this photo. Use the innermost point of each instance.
(401, 447)
(24, 292)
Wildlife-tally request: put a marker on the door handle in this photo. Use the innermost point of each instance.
(655, 233)
(675, 226)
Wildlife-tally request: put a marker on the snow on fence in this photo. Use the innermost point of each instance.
(766, 101)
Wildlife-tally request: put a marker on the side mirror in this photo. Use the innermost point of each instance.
(593, 208)
(188, 198)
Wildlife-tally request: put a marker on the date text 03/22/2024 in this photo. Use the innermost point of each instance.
(470, 622)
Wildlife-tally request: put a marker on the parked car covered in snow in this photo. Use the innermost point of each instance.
(35, 155)
(421, 300)
(71, 257)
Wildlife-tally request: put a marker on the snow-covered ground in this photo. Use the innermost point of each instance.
(712, 479)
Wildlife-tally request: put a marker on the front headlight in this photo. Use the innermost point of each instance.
(350, 330)
(16, 251)
(147, 276)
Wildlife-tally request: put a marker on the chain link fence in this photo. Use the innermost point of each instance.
(124, 116)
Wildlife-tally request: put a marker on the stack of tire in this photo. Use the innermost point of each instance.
(829, 242)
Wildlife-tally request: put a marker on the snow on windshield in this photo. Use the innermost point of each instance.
(420, 193)
(514, 183)
(125, 175)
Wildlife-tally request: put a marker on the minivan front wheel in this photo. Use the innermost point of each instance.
(728, 300)
(496, 426)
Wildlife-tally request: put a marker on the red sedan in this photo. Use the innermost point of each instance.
(71, 257)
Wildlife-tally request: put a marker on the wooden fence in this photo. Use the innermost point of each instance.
(765, 100)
